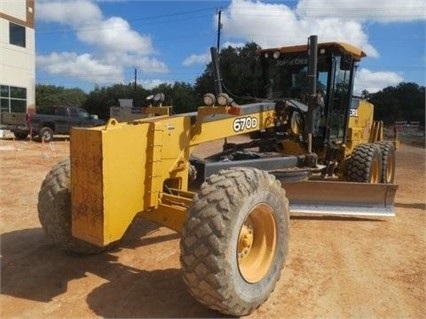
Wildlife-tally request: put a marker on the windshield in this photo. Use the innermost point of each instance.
(83, 113)
(287, 76)
(79, 112)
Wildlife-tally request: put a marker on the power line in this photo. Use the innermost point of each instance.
(163, 19)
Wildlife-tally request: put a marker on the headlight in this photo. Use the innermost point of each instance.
(209, 99)
(158, 98)
(223, 99)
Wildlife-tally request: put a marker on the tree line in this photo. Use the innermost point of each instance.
(240, 74)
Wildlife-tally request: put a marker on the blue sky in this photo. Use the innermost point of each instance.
(84, 43)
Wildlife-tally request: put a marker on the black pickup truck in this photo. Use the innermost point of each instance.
(57, 120)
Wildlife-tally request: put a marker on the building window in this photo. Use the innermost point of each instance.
(17, 35)
(13, 99)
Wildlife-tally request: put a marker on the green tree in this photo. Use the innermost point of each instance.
(180, 95)
(48, 96)
(406, 101)
(412, 99)
(240, 74)
(101, 99)
(184, 98)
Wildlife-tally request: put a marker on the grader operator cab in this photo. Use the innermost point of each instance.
(313, 149)
(314, 93)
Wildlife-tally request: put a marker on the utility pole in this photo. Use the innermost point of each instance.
(136, 79)
(219, 27)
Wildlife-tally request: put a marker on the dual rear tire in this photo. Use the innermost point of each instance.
(372, 163)
(388, 162)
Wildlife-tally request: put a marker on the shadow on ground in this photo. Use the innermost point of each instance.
(31, 268)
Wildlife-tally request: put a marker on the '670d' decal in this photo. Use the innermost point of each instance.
(244, 123)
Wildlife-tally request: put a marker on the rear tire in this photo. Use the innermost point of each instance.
(365, 165)
(234, 241)
(54, 211)
(388, 162)
(46, 134)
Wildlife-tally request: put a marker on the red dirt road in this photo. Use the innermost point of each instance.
(336, 267)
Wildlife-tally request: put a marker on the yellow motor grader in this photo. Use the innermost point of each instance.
(313, 149)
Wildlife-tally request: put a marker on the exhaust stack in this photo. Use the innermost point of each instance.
(312, 86)
(216, 70)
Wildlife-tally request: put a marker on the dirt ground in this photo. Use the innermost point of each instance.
(336, 267)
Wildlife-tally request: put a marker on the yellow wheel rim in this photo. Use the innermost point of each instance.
(257, 243)
(390, 169)
(375, 172)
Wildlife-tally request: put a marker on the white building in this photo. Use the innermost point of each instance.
(17, 55)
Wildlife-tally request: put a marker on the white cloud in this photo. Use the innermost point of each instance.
(363, 10)
(83, 66)
(203, 58)
(134, 60)
(150, 84)
(278, 24)
(271, 25)
(233, 44)
(76, 13)
(116, 45)
(115, 34)
(375, 81)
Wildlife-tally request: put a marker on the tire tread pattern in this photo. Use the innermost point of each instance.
(359, 167)
(54, 211)
(388, 154)
(204, 237)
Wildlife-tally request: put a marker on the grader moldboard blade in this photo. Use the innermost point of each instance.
(341, 198)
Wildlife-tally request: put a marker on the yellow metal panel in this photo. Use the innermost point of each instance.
(87, 185)
(153, 182)
(171, 216)
(169, 146)
(124, 157)
(107, 176)
(172, 209)
(360, 124)
(118, 172)
(231, 126)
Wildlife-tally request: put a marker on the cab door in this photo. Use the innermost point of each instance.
(339, 100)
(61, 120)
(75, 119)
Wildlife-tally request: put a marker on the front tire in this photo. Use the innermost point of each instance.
(234, 241)
(54, 211)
